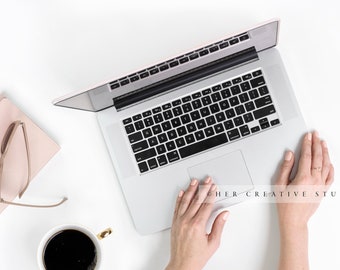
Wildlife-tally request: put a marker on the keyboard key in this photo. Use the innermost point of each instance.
(166, 106)
(255, 129)
(154, 71)
(234, 101)
(156, 110)
(199, 135)
(216, 88)
(248, 117)
(205, 111)
(173, 156)
(147, 133)
(260, 102)
(203, 145)
(129, 128)
(176, 102)
(195, 115)
(134, 78)
(244, 130)
(234, 41)
(218, 128)
(176, 122)
(204, 52)
(186, 99)
(127, 121)
(146, 114)
(184, 60)
(236, 80)
(253, 94)
(135, 137)
(235, 90)
(137, 117)
(139, 146)
(196, 104)
(162, 138)
(189, 138)
(156, 129)
(264, 111)
(206, 100)
(206, 92)
(172, 134)
(170, 145)
(211, 120)
(246, 77)
(209, 132)
(244, 37)
(152, 163)
(162, 160)
(265, 125)
(233, 134)
(214, 108)
(148, 122)
(180, 142)
(238, 121)
(153, 141)
(185, 118)
(216, 97)
(240, 110)
(196, 95)
(257, 82)
(181, 131)
(263, 90)
(230, 113)
(228, 124)
(220, 117)
(257, 73)
(249, 106)
(226, 93)
(226, 84)
(149, 153)
(161, 149)
(143, 167)
(174, 64)
(144, 75)
(213, 49)
(167, 114)
(245, 86)
(158, 118)
(201, 124)
(243, 97)
(191, 127)
(187, 107)
(275, 122)
(166, 126)
(177, 111)
(193, 56)
(224, 44)
(224, 104)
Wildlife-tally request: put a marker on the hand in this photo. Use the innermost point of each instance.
(314, 170)
(191, 246)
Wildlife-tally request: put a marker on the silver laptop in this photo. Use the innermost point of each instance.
(226, 110)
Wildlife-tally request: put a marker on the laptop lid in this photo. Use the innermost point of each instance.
(197, 64)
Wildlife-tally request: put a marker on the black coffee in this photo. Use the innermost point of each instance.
(70, 250)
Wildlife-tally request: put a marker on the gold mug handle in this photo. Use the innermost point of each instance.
(104, 233)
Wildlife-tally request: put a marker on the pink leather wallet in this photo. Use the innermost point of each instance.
(41, 147)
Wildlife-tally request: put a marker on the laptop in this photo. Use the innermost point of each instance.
(226, 110)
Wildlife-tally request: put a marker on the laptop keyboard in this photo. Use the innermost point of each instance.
(214, 116)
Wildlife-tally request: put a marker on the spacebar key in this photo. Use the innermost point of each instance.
(203, 145)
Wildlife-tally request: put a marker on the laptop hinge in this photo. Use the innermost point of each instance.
(190, 76)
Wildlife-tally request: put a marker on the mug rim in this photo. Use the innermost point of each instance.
(71, 226)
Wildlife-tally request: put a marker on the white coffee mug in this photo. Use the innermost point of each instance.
(57, 230)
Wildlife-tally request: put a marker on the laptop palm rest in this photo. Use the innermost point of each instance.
(230, 174)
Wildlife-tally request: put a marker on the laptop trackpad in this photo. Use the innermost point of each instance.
(228, 172)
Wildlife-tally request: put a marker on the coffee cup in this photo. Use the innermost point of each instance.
(71, 247)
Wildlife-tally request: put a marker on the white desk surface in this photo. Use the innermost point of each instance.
(51, 48)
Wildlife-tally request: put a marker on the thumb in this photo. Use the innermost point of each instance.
(217, 228)
(286, 169)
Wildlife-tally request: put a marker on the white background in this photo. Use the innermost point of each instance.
(51, 48)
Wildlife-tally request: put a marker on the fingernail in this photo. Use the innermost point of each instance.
(316, 134)
(309, 136)
(213, 187)
(180, 194)
(288, 156)
(324, 144)
(207, 180)
(193, 182)
(225, 216)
